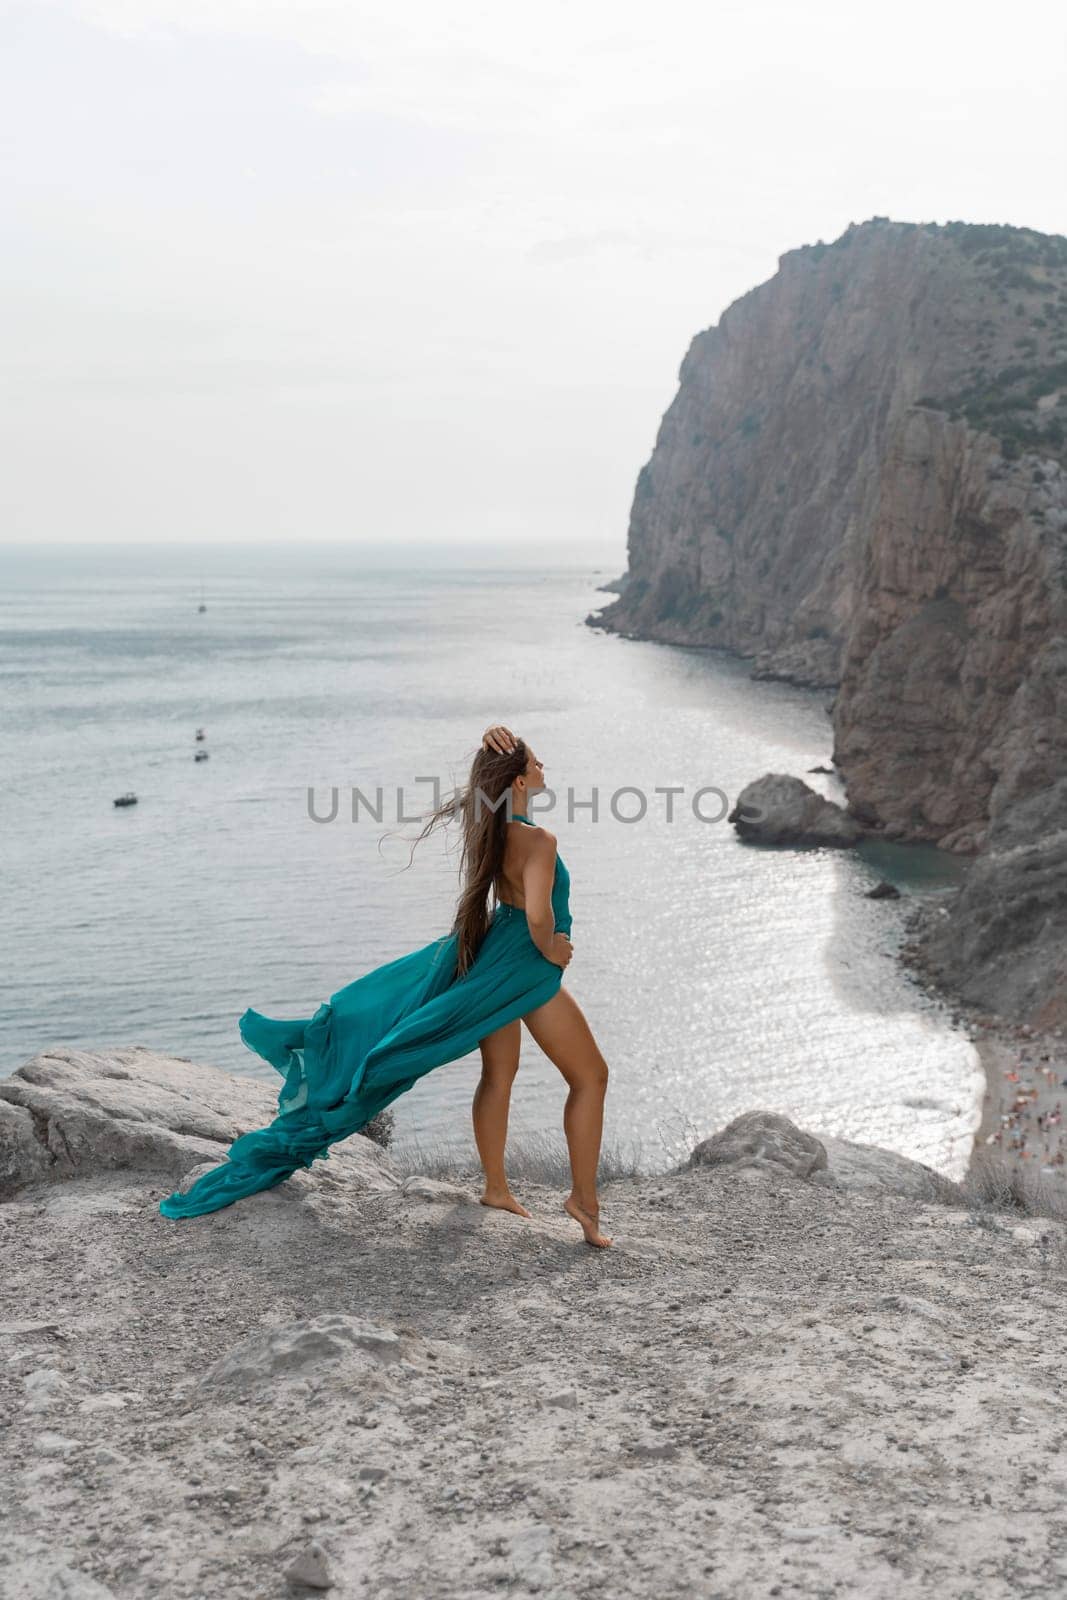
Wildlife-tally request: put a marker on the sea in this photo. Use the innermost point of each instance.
(338, 688)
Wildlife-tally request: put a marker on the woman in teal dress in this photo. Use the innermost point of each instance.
(500, 966)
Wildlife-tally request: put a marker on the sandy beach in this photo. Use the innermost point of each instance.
(1025, 1097)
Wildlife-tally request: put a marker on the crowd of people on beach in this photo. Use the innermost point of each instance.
(1029, 1126)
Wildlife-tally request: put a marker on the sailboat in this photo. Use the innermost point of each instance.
(203, 604)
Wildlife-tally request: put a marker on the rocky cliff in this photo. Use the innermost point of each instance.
(802, 1359)
(861, 484)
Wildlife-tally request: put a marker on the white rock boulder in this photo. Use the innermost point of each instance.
(763, 1140)
(77, 1113)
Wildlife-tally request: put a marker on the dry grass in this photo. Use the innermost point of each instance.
(994, 1186)
(533, 1158)
(999, 1191)
(541, 1157)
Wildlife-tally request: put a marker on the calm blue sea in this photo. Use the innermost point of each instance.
(718, 978)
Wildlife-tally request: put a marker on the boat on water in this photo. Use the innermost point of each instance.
(199, 734)
(201, 755)
(126, 799)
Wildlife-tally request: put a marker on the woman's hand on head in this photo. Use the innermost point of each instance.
(499, 738)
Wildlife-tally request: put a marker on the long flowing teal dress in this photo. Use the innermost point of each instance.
(373, 1040)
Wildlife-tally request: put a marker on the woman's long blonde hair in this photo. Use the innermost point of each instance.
(482, 806)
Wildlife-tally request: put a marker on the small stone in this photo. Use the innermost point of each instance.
(56, 1444)
(311, 1567)
(104, 1456)
(44, 1388)
(662, 1450)
(103, 1402)
(566, 1399)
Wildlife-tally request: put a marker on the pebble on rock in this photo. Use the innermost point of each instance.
(311, 1568)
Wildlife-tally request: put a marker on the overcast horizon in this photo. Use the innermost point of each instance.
(365, 275)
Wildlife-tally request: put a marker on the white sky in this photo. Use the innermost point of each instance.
(405, 270)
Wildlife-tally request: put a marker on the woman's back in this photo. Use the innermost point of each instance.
(523, 837)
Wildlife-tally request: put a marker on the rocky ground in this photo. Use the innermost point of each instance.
(807, 1368)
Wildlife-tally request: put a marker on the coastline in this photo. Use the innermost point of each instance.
(1025, 1101)
(1022, 1124)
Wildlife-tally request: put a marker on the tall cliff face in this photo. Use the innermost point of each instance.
(953, 704)
(860, 483)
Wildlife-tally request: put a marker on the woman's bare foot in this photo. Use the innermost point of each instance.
(588, 1220)
(504, 1200)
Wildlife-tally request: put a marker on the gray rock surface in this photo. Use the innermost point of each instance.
(781, 809)
(766, 1141)
(73, 1113)
(1000, 942)
(24, 1156)
(44, 1575)
(297, 1347)
(311, 1569)
(851, 1166)
(790, 1368)
(762, 1139)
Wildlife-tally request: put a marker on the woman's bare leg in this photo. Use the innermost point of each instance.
(492, 1099)
(566, 1038)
